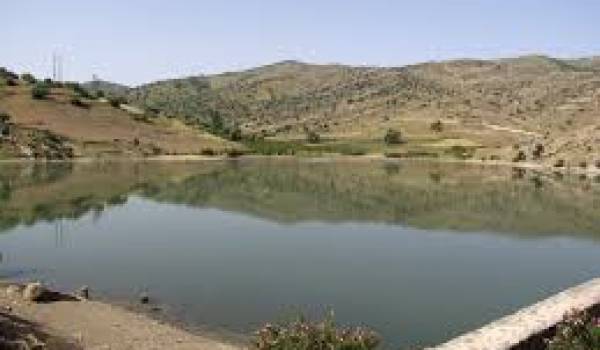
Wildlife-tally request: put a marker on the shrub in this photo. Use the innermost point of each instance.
(5, 73)
(11, 82)
(80, 90)
(77, 102)
(324, 335)
(538, 151)
(578, 331)
(313, 137)
(235, 134)
(208, 152)
(4, 117)
(28, 78)
(116, 101)
(99, 94)
(583, 164)
(40, 91)
(437, 126)
(520, 157)
(560, 163)
(4, 127)
(234, 153)
(393, 137)
(598, 164)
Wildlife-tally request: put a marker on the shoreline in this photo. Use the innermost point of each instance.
(569, 170)
(63, 321)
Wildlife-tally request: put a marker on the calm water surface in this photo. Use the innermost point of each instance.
(419, 252)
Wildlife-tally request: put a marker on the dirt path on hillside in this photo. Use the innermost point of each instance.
(511, 130)
(74, 324)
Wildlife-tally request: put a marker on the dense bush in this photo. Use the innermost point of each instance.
(80, 90)
(305, 335)
(116, 101)
(393, 137)
(578, 331)
(235, 134)
(538, 151)
(29, 78)
(40, 91)
(313, 137)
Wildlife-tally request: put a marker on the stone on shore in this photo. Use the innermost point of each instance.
(83, 293)
(14, 291)
(34, 292)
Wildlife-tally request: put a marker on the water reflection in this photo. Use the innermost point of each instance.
(397, 246)
(450, 196)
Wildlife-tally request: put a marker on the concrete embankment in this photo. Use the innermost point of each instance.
(510, 331)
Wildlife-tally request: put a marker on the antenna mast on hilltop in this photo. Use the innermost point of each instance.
(57, 67)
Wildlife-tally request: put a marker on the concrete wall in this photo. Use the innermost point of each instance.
(509, 331)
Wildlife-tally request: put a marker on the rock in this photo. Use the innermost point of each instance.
(34, 291)
(83, 293)
(25, 152)
(144, 298)
(14, 291)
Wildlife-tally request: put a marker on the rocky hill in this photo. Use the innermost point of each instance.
(49, 120)
(526, 108)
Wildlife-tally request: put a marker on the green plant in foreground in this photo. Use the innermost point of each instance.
(578, 331)
(305, 335)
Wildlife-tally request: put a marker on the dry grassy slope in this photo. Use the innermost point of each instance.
(99, 129)
(496, 104)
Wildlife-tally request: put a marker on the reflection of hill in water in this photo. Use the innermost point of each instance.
(439, 196)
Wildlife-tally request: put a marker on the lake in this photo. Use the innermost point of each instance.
(420, 252)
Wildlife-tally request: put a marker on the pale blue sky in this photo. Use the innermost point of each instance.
(137, 41)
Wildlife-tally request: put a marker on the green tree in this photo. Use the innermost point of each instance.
(235, 134)
(40, 91)
(29, 78)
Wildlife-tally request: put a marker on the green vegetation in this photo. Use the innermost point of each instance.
(312, 136)
(476, 100)
(393, 137)
(78, 102)
(80, 91)
(580, 330)
(415, 194)
(305, 335)
(520, 156)
(40, 91)
(116, 101)
(4, 126)
(437, 126)
(28, 78)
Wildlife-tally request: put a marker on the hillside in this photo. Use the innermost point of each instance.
(486, 109)
(67, 123)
